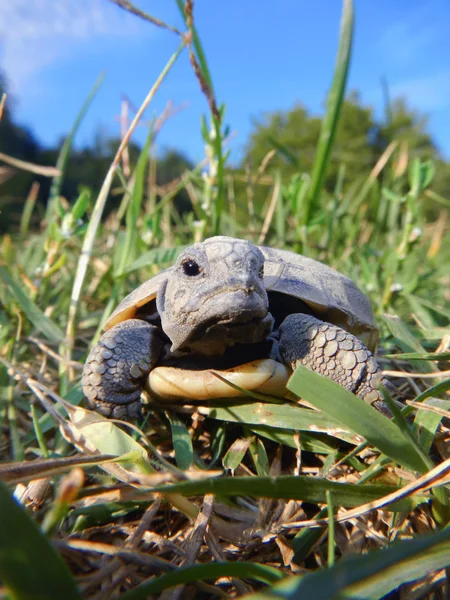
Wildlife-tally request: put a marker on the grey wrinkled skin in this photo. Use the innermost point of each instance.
(220, 295)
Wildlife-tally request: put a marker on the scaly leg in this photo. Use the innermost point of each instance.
(334, 353)
(118, 366)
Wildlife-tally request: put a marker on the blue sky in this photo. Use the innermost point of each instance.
(264, 55)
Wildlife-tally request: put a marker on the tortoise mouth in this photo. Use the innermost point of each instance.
(238, 323)
(230, 303)
(215, 335)
(223, 320)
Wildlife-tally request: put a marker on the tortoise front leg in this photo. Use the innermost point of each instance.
(333, 352)
(118, 366)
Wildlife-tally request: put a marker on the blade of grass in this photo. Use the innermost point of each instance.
(331, 541)
(244, 570)
(420, 356)
(30, 567)
(94, 222)
(280, 216)
(235, 453)
(356, 415)
(27, 166)
(129, 7)
(331, 118)
(182, 443)
(29, 205)
(259, 457)
(284, 150)
(427, 422)
(283, 416)
(301, 487)
(436, 390)
(371, 576)
(440, 503)
(134, 205)
(319, 443)
(95, 432)
(203, 74)
(407, 341)
(63, 157)
(156, 256)
(36, 316)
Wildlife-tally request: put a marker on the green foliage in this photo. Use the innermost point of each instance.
(358, 416)
(83, 168)
(30, 567)
(332, 115)
(370, 577)
(359, 142)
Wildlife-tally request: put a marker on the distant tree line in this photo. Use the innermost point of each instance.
(360, 141)
(86, 168)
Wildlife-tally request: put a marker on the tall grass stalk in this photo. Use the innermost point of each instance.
(97, 212)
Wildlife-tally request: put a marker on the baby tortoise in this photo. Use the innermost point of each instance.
(251, 312)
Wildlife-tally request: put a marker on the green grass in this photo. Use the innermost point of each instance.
(263, 475)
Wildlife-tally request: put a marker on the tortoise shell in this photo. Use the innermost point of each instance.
(329, 295)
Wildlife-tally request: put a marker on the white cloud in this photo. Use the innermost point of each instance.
(404, 40)
(36, 33)
(428, 93)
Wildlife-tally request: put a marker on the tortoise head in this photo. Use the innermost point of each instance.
(214, 297)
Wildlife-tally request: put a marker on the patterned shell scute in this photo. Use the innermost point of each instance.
(330, 294)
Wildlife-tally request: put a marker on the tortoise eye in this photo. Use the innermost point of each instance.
(261, 272)
(190, 267)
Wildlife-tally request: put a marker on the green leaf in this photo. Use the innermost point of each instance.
(280, 216)
(306, 538)
(284, 150)
(335, 98)
(319, 443)
(355, 414)
(217, 443)
(435, 390)
(79, 208)
(30, 567)
(427, 422)
(134, 205)
(302, 487)
(421, 174)
(370, 576)
(110, 439)
(236, 453)
(36, 316)
(259, 456)
(182, 443)
(244, 570)
(283, 416)
(407, 341)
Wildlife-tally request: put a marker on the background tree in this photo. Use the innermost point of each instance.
(406, 125)
(359, 142)
(16, 141)
(86, 168)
